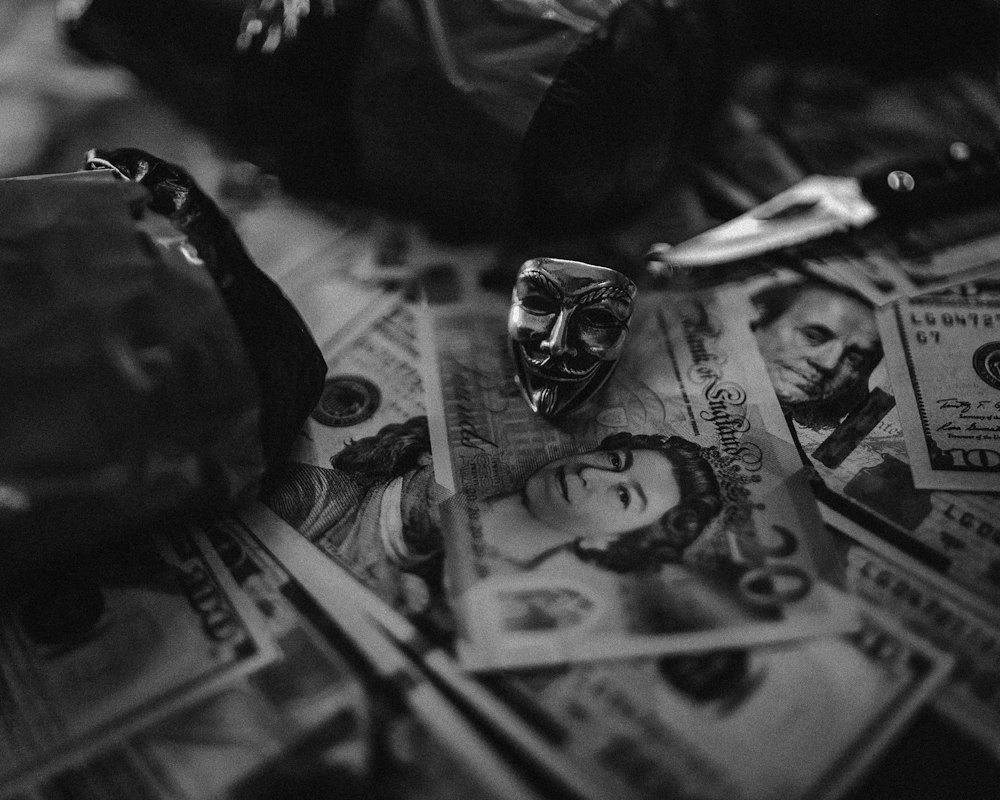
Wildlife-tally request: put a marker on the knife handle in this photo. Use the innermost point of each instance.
(961, 176)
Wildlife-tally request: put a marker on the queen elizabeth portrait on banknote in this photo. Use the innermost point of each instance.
(631, 504)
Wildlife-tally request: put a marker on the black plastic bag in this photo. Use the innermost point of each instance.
(483, 115)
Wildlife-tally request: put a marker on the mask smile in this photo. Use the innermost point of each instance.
(556, 368)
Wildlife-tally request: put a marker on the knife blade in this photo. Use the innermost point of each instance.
(820, 205)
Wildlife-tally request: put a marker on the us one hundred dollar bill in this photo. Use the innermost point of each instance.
(310, 701)
(527, 588)
(311, 694)
(790, 721)
(106, 647)
(849, 430)
(373, 380)
(943, 354)
(953, 620)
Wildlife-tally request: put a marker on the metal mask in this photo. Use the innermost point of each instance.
(567, 326)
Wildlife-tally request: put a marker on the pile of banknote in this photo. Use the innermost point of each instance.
(430, 602)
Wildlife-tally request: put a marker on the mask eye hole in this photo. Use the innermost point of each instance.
(538, 303)
(597, 318)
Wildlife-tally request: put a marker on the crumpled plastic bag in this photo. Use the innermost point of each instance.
(131, 396)
(482, 116)
(423, 105)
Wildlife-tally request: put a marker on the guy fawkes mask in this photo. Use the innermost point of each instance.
(567, 327)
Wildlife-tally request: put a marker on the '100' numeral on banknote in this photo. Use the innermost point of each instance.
(943, 356)
(114, 642)
(670, 514)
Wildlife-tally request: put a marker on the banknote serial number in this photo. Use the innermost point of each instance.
(955, 319)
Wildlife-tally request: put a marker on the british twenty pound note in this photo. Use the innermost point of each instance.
(669, 514)
(943, 355)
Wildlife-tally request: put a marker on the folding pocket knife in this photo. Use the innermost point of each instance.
(820, 205)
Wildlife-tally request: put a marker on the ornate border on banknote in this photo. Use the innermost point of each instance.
(943, 354)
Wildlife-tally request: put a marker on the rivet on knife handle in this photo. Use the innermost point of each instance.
(962, 175)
